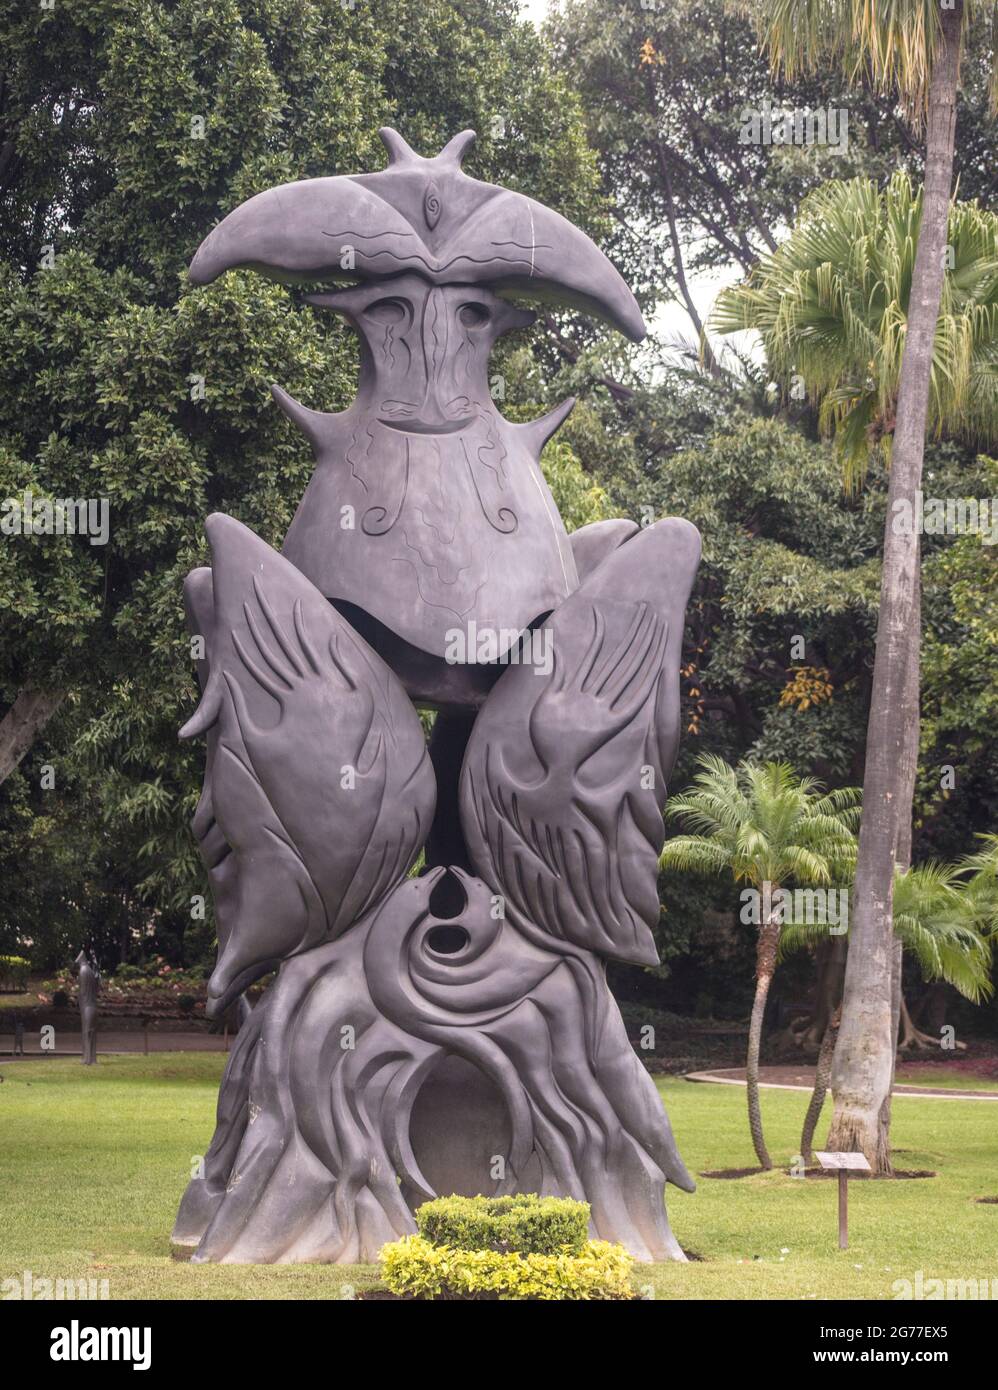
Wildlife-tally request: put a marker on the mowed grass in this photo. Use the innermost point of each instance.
(944, 1079)
(15, 1002)
(93, 1162)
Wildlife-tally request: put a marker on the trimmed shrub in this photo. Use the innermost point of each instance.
(14, 974)
(528, 1224)
(60, 1000)
(415, 1268)
(130, 972)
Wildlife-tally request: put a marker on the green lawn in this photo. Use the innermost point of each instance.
(29, 1000)
(93, 1163)
(944, 1079)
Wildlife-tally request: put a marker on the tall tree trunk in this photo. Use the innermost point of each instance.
(902, 860)
(22, 723)
(885, 1166)
(835, 966)
(861, 1073)
(765, 964)
(822, 1076)
(831, 972)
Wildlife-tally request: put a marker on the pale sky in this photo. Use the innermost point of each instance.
(672, 320)
(535, 10)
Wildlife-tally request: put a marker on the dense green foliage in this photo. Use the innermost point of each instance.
(120, 381)
(831, 307)
(525, 1223)
(14, 973)
(414, 1268)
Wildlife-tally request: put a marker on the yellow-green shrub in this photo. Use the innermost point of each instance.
(526, 1223)
(415, 1268)
(14, 973)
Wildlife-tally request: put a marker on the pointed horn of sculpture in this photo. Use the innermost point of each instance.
(538, 432)
(399, 151)
(456, 148)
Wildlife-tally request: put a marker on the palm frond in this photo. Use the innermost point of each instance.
(893, 43)
(831, 307)
(935, 920)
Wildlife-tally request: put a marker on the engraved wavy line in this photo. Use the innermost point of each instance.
(438, 267)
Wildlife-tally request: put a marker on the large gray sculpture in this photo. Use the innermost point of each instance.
(451, 1031)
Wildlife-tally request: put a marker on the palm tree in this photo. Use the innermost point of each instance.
(981, 885)
(831, 303)
(768, 828)
(942, 918)
(912, 48)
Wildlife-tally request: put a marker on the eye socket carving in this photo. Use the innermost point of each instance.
(473, 315)
(386, 311)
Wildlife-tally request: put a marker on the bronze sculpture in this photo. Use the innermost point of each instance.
(451, 1031)
(89, 977)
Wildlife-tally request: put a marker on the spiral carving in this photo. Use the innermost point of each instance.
(432, 205)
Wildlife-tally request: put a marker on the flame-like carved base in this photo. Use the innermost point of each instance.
(330, 1113)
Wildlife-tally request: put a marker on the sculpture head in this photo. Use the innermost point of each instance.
(424, 217)
(85, 966)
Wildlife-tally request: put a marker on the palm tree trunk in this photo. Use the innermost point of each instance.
(765, 964)
(829, 993)
(861, 1072)
(902, 860)
(22, 723)
(885, 1166)
(822, 1076)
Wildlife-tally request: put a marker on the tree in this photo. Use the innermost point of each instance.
(912, 47)
(768, 828)
(784, 606)
(831, 307)
(957, 792)
(943, 919)
(669, 90)
(120, 381)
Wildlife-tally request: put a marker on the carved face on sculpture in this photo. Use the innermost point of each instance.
(424, 350)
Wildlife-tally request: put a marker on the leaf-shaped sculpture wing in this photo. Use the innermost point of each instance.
(319, 790)
(564, 778)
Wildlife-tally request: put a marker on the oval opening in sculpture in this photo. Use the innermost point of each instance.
(459, 1127)
(447, 941)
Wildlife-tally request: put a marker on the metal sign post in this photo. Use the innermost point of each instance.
(842, 1163)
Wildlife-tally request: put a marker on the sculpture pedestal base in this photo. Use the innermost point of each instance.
(388, 1067)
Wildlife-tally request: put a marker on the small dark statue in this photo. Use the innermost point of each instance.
(451, 1032)
(89, 977)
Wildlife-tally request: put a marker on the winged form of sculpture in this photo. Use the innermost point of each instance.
(451, 1030)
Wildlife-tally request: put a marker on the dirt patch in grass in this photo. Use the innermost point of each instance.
(802, 1076)
(878, 1177)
